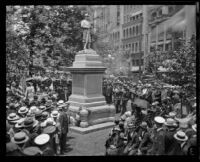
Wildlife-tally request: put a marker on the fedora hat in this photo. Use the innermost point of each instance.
(20, 138)
(13, 117)
(43, 108)
(19, 123)
(32, 151)
(54, 114)
(86, 15)
(194, 127)
(159, 119)
(42, 139)
(30, 122)
(23, 110)
(180, 136)
(170, 122)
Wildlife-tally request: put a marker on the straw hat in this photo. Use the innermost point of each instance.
(130, 125)
(170, 122)
(128, 113)
(45, 115)
(180, 136)
(194, 127)
(19, 123)
(49, 130)
(155, 103)
(32, 151)
(171, 114)
(20, 138)
(33, 109)
(42, 108)
(54, 114)
(42, 139)
(50, 121)
(159, 119)
(30, 122)
(23, 110)
(60, 102)
(13, 117)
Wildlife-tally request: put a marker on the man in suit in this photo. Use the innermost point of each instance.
(63, 127)
(169, 139)
(144, 138)
(158, 137)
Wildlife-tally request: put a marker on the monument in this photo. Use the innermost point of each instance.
(87, 76)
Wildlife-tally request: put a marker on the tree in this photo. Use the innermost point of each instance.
(50, 33)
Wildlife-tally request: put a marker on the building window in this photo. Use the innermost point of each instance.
(137, 63)
(123, 33)
(171, 9)
(127, 33)
(136, 47)
(133, 47)
(133, 30)
(133, 62)
(129, 46)
(130, 31)
(137, 30)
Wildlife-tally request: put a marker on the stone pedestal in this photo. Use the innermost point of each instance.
(87, 72)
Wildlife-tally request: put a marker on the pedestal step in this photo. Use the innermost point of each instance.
(92, 128)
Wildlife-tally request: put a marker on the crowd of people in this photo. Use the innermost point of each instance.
(158, 123)
(37, 120)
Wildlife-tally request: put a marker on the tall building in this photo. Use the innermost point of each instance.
(139, 29)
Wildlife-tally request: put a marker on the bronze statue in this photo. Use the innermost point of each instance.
(86, 25)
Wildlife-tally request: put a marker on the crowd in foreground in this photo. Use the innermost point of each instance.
(37, 123)
(156, 124)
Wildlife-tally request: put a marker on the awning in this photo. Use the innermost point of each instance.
(136, 13)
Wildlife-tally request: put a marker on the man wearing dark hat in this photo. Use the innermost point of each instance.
(63, 121)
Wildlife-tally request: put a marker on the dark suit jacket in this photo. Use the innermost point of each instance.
(146, 142)
(170, 142)
(158, 143)
(63, 120)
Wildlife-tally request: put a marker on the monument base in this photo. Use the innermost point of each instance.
(92, 128)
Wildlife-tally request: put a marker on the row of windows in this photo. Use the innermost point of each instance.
(115, 36)
(129, 18)
(162, 11)
(168, 46)
(132, 31)
(134, 47)
(128, 8)
(137, 62)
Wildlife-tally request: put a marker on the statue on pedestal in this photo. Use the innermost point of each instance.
(86, 25)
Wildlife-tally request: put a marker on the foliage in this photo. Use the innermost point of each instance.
(180, 65)
(48, 36)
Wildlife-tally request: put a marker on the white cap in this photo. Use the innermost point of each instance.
(159, 119)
